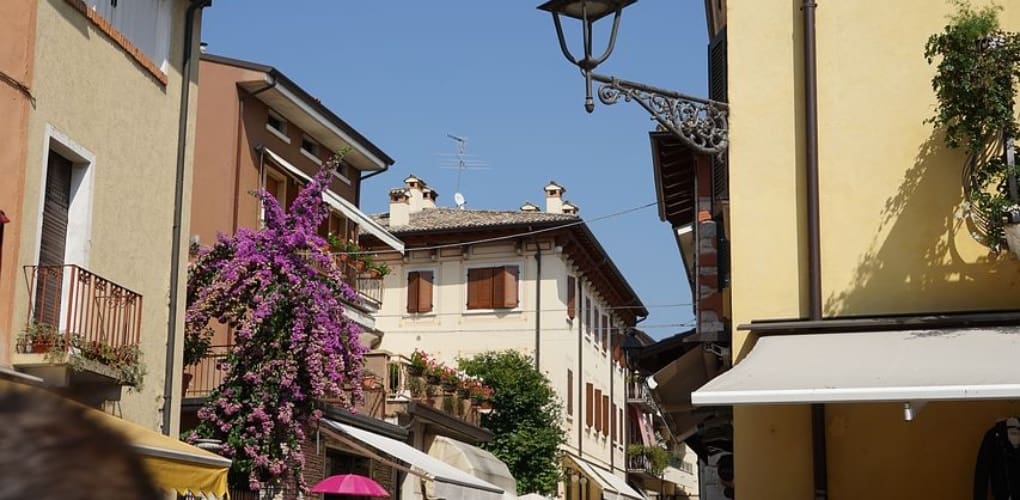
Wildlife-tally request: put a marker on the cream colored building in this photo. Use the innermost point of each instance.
(478, 280)
(93, 221)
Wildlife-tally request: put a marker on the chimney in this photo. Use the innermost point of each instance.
(429, 198)
(400, 213)
(414, 188)
(570, 208)
(554, 198)
(529, 207)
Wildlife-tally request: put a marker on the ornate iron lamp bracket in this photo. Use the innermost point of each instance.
(702, 124)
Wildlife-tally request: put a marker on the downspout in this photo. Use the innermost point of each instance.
(538, 305)
(175, 248)
(579, 313)
(818, 440)
(612, 416)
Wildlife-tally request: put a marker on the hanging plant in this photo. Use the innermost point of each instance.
(282, 294)
(978, 65)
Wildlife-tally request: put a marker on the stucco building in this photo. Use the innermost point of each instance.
(533, 280)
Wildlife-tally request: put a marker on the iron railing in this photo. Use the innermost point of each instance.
(80, 306)
(638, 463)
(206, 375)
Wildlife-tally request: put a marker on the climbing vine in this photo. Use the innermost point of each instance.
(978, 65)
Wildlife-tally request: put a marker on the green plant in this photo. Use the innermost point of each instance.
(382, 268)
(978, 65)
(658, 457)
(39, 338)
(197, 345)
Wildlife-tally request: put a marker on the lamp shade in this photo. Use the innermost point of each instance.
(597, 9)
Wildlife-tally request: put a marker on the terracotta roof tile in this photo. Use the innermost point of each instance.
(441, 219)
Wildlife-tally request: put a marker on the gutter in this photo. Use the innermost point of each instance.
(187, 70)
(818, 440)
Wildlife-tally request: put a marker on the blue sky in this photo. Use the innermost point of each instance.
(407, 73)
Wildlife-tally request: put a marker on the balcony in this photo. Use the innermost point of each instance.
(205, 376)
(638, 394)
(638, 464)
(81, 328)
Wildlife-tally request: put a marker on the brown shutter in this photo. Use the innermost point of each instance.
(570, 392)
(587, 315)
(425, 284)
(413, 286)
(619, 421)
(571, 297)
(605, 332)
(612, 420)
(588, 399)
(598, 410)
(292, 192)
(53, 240)
(509, 277)
(605, 415)
(480, 288)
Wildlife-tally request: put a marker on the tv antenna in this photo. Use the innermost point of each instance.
(461, 161)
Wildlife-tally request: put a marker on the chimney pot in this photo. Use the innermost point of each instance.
(400, 213)
(554, 198)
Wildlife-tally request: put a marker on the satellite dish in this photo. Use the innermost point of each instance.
(458, 199)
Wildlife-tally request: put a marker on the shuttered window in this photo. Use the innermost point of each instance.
(619, 422)
(587, 315)
(598, 410)
(612, 419)
(54, 238)
(605, 415)
(419, 291)
(493, 287)
(570, 393)
(589, 400)
(571, 297)
(605, 332)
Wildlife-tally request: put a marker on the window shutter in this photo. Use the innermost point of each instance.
(588, 399)
(619, 421)
(598, 410)
(570, 392)
(480, 288)
(413, 279)
(425, 283)
(571, 297)
(587, 315)
(508, 277)
(597, 327)
(605, 332)
(612, 420)
(605, 414)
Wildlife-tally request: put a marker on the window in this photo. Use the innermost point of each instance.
(310, 149)
(276, 185)
(146, 23)
(570, 393)
(597, 328)
(612, 419)
(419, 291)
(605, 415)
(589, 396)
(277, 125)
(492, 287)
(598, 410)
(587, 315)
(571, 296)
(619, 421)
(605, 332)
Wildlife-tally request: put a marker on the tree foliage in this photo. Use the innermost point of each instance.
(281, 292)
(525, 420)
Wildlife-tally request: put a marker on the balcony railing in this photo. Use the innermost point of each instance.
(206, 375)
(397, 386)
(369, 287)
(638, 463)
(80, 306)
(638, 393)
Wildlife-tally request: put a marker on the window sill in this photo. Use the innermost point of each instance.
(114, 34)
(314, 159)
(482, 312)
(278, 134)
(343, 178)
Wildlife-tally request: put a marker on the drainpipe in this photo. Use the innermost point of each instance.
(175, 249)
(579, 313)
(538, 305)
(612, 416)
(818, 444)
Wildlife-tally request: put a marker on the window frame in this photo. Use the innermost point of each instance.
(435, 296)
(280, 134)
(570, 394)
(314, 153)
(492, 265)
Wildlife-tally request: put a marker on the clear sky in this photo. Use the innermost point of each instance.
(406, 73)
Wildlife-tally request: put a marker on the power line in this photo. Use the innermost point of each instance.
(484, 331)
(510, 236)
(601, 309)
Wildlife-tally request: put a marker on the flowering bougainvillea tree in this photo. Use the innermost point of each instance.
(281, 292)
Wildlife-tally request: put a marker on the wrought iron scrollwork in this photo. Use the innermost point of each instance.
(702, 124)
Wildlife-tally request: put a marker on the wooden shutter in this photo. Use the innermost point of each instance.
(619, 421)
(597, 327)
(605, 415)
(612, 420)
(589, 397)
(598, 410)
(413, 278)
(571, 297)
(605, 332)
(570, 392)
(587, 315)
(426, 281)
(504, 294)
(479, 288)
(53, 241)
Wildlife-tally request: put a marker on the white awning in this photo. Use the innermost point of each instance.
(613, 487)
(343, 206)
(474, 460)
(449, 482)
(890, 366)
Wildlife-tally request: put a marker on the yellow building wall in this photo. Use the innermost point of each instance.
(891, 239)
(90, 90)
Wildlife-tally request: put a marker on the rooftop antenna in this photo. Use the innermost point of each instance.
(461, 161)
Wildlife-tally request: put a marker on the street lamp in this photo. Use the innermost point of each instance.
(700, 123)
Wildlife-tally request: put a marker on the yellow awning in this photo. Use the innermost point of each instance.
(172, 464)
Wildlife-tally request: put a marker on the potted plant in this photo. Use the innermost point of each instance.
(419, 362)
(433, 372)
(417, 387)
(449, 379)
(39, 338)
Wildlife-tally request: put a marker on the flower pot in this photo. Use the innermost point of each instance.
(42, 345)
(432, 379)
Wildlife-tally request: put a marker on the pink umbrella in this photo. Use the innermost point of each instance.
(350, 484)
